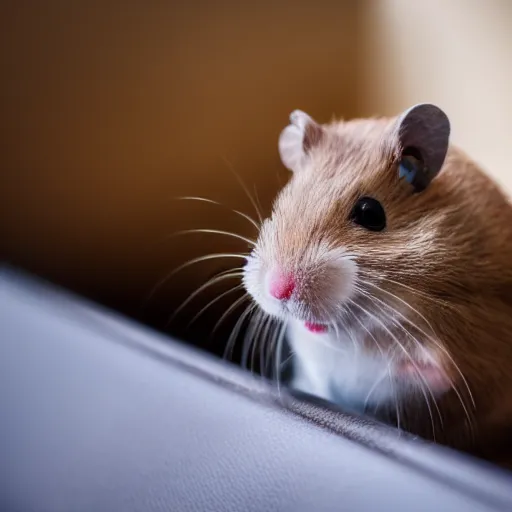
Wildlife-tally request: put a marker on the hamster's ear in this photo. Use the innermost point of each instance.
(423, 134)
(297, 139)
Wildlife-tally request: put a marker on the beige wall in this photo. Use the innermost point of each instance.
(456, 53)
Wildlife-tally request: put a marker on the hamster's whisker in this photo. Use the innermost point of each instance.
(266, 350)
(213, 301)
(214, 280)
(257, 198)
(337, 332)
(211, 201)
(252, 243)
(395, 397)
(259, 341)
(268, 346)
(230, 345)
(250, 336)
(266, 343)
(267, 336)
(349, 333)
(228, 311)
(193, 261)
(268, 339)
(229, 348)
(423, 383)
(244, 187)
(367, 330)
(396, 312)
(333, 347)
(414, 291)
(405, 303)
(213, 231)
(280, 327)
(430, 337)
(283, 363)
(278, 351)
(378, 380)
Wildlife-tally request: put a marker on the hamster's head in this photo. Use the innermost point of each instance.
(350, 210)
(359, 232)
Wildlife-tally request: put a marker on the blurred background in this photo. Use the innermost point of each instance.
(110, 110)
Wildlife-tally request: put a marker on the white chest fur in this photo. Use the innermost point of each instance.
(334, 367)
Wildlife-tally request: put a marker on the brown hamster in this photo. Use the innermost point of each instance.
(389, 257)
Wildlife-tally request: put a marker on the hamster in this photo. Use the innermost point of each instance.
(388, 255)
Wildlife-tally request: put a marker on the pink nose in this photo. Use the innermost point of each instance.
(281, 286)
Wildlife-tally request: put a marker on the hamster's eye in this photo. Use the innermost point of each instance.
(369, 214)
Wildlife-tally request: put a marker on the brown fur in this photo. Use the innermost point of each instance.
(449, 251)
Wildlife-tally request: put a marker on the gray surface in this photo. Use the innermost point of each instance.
(101, 416)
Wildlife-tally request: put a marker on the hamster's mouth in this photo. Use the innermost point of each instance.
(316, 328)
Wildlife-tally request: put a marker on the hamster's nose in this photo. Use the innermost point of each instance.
(281, 285)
